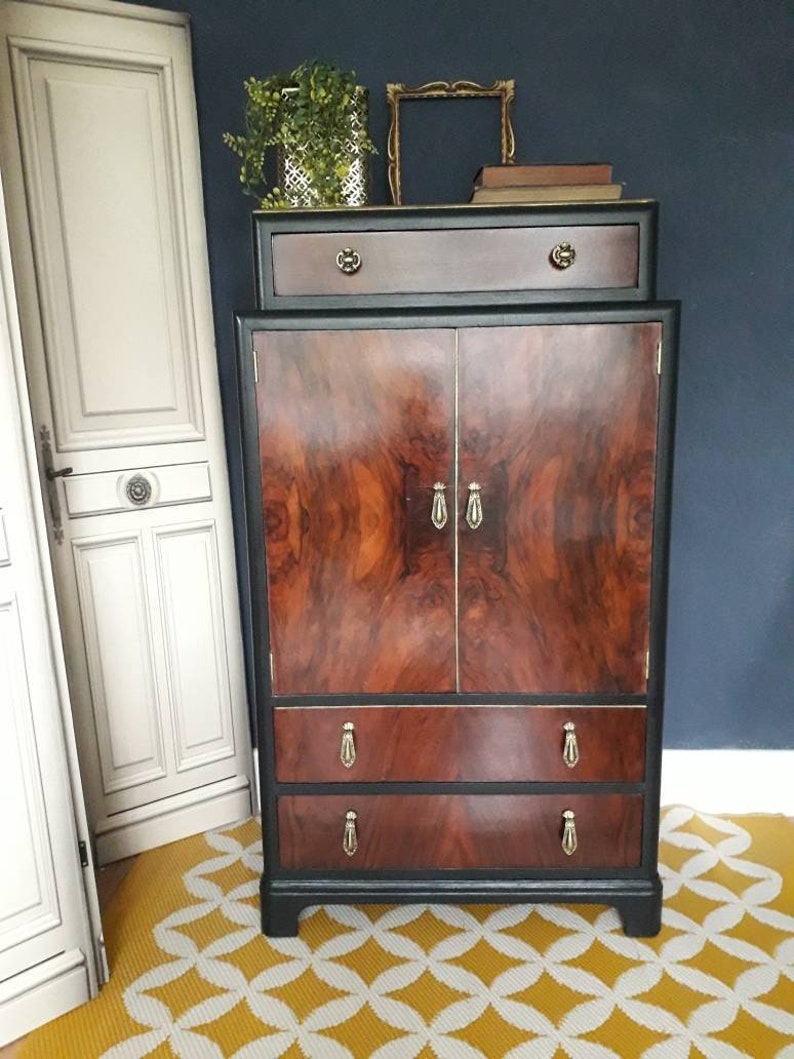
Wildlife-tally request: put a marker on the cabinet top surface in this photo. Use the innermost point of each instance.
(463, 207)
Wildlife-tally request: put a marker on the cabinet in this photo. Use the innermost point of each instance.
(457, 436)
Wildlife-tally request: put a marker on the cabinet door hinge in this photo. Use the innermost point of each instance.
(659, 357)
(82, 849)
(256, 366)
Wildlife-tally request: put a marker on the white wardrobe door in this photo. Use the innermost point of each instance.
(46, 949)
(100, 135)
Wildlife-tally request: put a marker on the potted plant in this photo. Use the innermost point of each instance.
(310, 125)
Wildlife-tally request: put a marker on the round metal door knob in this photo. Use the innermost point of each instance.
(348, 261)
(562, 256)
(138, 490)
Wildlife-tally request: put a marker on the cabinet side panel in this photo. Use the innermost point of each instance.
(558, 427)
(355, 428)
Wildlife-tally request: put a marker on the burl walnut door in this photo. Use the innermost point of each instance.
(355, 429)
(557, 425)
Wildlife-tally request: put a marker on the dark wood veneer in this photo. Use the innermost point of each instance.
(558, 425)
(465, 743)
(459, 832)
(355, 427)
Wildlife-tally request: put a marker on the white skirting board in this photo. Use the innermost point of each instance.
(41, 994)
(216, 805)
(729, 781)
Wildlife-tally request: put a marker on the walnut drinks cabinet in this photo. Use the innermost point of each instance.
(457, 437)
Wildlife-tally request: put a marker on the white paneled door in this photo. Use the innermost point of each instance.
(49, 949)
(100, 146)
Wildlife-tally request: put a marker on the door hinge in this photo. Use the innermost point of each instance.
(82, 849)
(647, 664)
(659, 357)
(256, 365)
(102, 959)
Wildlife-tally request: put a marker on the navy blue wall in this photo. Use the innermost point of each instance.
(692, 103)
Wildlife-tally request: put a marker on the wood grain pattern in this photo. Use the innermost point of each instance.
(418, 832)
(482, 259)
(459, 743)
(354, 429)
(558, 424)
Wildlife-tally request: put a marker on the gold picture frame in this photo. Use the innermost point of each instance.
(397, 93)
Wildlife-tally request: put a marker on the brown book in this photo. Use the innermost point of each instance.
(549, 193)
(497, 176)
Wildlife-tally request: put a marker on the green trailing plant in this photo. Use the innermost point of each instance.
(284, 112)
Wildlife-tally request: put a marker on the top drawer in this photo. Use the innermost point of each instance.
(443, 256)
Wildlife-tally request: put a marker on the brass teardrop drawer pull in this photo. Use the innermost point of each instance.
(347, 749)
(474, 506)
(570, 749)
(350, 838)
(562, 256)
(348, 261)
(438, 513)
(569, 839)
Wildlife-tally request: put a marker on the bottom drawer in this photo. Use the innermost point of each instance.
(452, 831)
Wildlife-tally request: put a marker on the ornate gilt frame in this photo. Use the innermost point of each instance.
(396, 93)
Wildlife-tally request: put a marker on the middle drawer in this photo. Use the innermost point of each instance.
(494, 744)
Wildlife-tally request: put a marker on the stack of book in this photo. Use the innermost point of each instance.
(567, 182)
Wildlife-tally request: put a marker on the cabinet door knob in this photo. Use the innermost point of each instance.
(348, 261)
(569, 840)
(562, 256)
(350, 838)
(438, 514)
(347, 750)
(570, 750)
(474, 506)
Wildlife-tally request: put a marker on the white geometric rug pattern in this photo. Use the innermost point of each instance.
(442, 1032)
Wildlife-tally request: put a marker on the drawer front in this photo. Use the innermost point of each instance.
(455, 260)
(466, 832)
(110, 491)
(460, 743)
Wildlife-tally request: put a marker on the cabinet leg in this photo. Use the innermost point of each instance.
(641, 916)
(280, 916)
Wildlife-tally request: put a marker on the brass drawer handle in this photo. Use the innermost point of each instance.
(570, 750)
(438, 514)
(350, 839)
(562, 256)
(348, 261)
(474, 506)
(347, 750)
(569, 840)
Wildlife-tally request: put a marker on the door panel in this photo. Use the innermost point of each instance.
(28, 894)
(355, 427)
(195, 643)
(124, 375)
(127, 702)
(558, 426)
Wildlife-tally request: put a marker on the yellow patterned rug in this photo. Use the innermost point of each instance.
(192, 976)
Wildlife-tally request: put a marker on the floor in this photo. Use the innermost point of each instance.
(108, 880)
